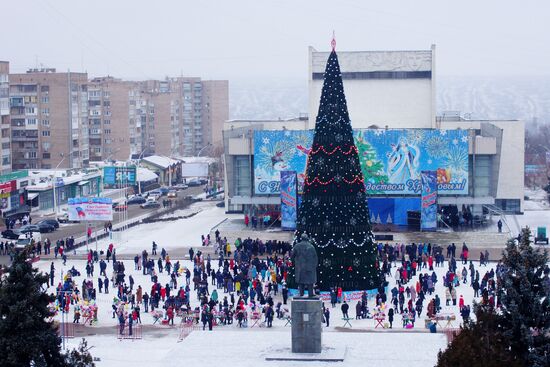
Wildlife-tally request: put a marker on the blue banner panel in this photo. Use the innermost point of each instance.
(391, 160)
(402, 206)
(428, 218)
(288, 200)
(381, 210)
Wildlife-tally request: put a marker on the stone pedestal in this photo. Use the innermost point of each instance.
(306, 325)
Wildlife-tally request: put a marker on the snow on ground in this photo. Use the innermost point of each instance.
(248, 348)
(538, 199)
(170, 235)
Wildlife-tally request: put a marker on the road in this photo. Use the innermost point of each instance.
(79, 229)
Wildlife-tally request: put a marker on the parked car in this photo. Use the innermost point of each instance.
(12, 234)
(29, 228)
(136, 200)
(203, 181)
(179, 187)
(194, 182)
(45, 227)
(120, 207)
(173, 194)
(150, 205)
(164, 191)
(64, 218)
(51, 222)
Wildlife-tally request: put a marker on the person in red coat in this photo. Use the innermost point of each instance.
(170, 314)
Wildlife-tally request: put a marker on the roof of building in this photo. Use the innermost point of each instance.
(145, 174)
(42, 179)
(160, 161)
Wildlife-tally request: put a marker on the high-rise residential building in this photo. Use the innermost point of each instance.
(215, 110)
(171, 117)
(5, 163)
(49, 119)
(111, 127)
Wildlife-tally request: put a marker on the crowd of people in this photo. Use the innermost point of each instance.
(245, 281)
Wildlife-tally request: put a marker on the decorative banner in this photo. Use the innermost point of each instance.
(81, 209)
(119, 175)
(391, 160)
(276, 151)
(288, 200)
(428, 211)
(7, 187)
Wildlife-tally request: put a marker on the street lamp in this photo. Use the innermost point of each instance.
(137, 169)
(52, 176)
(203, 148)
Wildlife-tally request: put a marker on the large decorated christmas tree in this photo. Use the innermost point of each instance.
(334, 212)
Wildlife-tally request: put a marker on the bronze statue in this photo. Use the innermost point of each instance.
(305, 260)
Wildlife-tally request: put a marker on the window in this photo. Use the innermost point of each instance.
(242, 175)
(45, 133)
(45, 111)
(30, 110)
(45, 99)
(45, 122)
(106, 122)
(46, 155)
(44, 88)
(31, 121)
(31, 155)
(107, 131)
(46, 146)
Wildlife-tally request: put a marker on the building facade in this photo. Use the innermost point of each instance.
(49, 119)
(5, 163)
(383, 88)
(388, 91)
(171, 117)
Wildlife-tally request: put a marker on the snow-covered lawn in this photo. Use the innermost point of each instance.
(248, 348)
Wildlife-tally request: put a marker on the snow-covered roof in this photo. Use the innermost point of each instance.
(42, 179)
(144, 174)
(160, 161)
(208, 160)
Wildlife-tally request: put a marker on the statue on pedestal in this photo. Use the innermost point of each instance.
(304, 258)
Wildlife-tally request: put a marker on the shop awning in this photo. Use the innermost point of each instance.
(32, 195)
(82, 183)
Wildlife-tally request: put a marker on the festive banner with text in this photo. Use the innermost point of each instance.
(428, 218)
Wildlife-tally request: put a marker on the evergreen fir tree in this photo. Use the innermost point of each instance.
(334, 211)
(80, 357)
(525, 301)
(26, 338)
(518, 333)
(480, 344)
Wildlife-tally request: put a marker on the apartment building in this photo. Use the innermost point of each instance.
(5, 163)
(49, 119)
(110, 118)
(171, 117)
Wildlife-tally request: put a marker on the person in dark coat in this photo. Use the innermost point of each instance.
(390, 317)
(345, 308)
(327, 316)
(285, 294)
(358, 310)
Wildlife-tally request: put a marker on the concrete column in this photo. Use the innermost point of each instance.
(306, 325)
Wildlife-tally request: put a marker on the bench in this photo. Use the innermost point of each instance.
(346, 319)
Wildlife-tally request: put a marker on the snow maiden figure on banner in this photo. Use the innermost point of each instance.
(403, 162)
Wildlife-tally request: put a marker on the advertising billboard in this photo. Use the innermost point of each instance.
(288, 200)
(119, 175)
(428, 210)
(81, 209)
(197, 169)
(391, 160)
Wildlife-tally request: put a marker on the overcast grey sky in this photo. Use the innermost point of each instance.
(242, 39)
